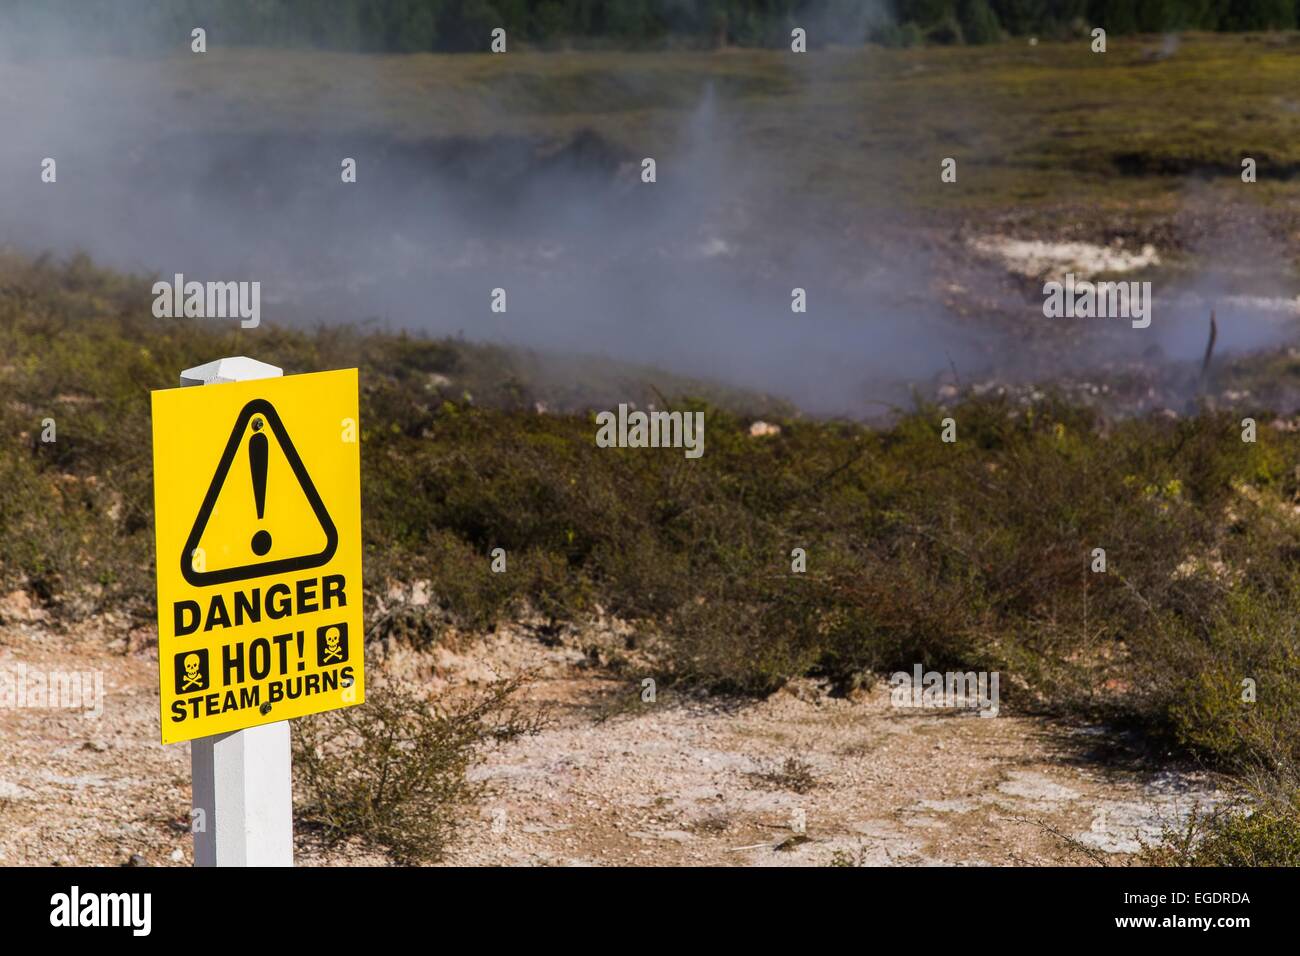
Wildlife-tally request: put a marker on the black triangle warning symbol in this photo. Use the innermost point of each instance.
(252, 414)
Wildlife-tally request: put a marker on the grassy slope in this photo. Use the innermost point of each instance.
(972, 555)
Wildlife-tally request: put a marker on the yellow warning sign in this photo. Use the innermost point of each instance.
(257, 505)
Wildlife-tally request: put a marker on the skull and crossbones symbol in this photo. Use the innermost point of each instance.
(192, 676)
(332, 649)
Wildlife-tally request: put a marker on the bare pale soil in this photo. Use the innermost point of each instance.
(802, 778)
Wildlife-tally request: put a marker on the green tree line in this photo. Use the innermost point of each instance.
(404, 26)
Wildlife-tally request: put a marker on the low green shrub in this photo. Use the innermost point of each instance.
(392, 773)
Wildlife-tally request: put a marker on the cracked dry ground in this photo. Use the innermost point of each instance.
(680, 781)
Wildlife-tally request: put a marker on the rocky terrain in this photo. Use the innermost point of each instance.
(801, 778)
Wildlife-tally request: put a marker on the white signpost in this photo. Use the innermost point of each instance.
(242, 781)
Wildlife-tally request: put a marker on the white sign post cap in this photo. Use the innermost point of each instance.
(238, 368)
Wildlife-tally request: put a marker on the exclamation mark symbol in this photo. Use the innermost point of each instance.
(257, 456)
